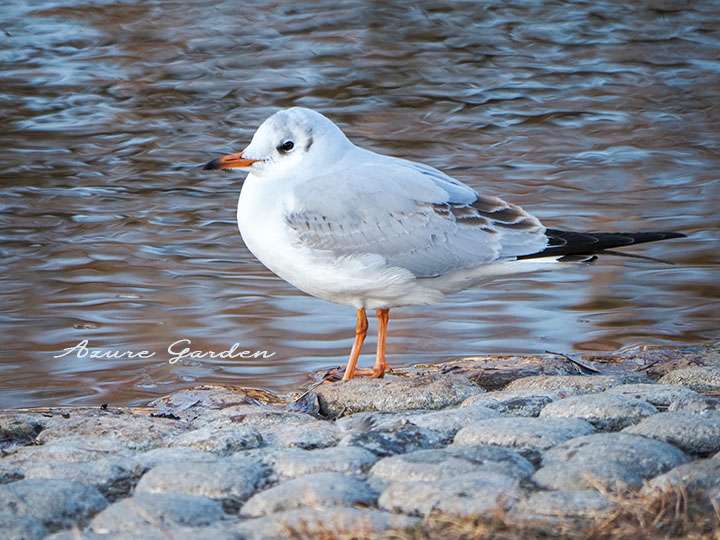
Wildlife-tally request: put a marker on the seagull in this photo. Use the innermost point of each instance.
(356, 227)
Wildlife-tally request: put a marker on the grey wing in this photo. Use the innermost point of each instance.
(413, 216)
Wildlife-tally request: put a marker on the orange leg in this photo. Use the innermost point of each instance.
(361, 327)
(381, 365)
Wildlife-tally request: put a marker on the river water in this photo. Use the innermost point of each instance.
(592, 115)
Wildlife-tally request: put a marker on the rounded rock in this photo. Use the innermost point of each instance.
(694, 433)
(605, 411)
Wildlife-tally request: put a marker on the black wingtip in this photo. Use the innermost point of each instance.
(212, 165)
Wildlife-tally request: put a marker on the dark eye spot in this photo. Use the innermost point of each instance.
(286, 147)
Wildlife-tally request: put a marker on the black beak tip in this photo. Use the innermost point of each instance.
(212, 165)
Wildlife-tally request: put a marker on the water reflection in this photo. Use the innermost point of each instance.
(593, 116)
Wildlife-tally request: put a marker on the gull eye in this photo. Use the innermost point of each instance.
(286, 147)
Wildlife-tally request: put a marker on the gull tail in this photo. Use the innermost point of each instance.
(569, 246)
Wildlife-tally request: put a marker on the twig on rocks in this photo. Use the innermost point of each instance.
(577, 363)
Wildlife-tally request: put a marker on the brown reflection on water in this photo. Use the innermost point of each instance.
(594, 116)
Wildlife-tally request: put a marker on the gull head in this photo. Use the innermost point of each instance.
(289, 139)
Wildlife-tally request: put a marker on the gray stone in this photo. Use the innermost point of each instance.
(528, 435)
(660, 395)
(21, 528)
(467, 495)
(701, 476)
(70, 450)
(614, 461)
(700, 379)
(551, 508)
(218, 531)
(314, 490)
(19, 429)
(138, 512)
(220, 440)
(574, 384)
(448, 463)
(54, 503)
(325, 523)
(694, 433)
(296, 462)
(515, 403)
(113, 477)
(10, 472)
(448, 422)
(394, 394)
(162, 456)
(697, 404)
(309, 435)
(398, 438)
(605, 411)
(231, 482)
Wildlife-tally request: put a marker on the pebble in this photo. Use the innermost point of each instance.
(449, 422)
(313, 490)
(466, 495)
(220, 440)
(573, 384)
(309, 435)
(134, 514)
(660, 395)
(295, 462)
(694, 433)
(231, 482)
(606, 412)
(614, 461)
(394, 394)
(398, 438)
(514, 403)
(699, 379)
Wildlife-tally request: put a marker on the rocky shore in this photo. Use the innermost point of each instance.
(498, 446)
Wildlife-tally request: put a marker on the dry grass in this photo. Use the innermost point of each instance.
(670, 514)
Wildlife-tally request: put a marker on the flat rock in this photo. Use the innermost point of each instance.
(449, 421)
(700, 379)
(161, 456)
(325, 523)
(553, 508)
(315, 491)
(54, 503)
(21, 528)
(396, 438)
(529, 436)
(527, 403)
(660, 395)
(467, 495)
(701, 476)
(143, 510)
(607, 412)
(198, 401)
(694, 433)
(393, 394)
(231, 482)
(113, 477)
(612, 460)
(574, 384)
(308, 435)
(449, 463)
(222, 440)
(295, 462)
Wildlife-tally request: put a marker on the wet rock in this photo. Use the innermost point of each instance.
(552, 508)
(694, 433)
(131, 431)
(21, 528)
(113, 477)
(529, 436)
(54, 503)
(398, 438)
(142, 510)
(527, 403)
(700, 379)
(465, 495)
(221, 440)
(448, 463)
(19, 429)
(318, 434)
(191, 402)
(325, 523)
(575, 384)
(660, 395)
(180, 455)
(315, 491)
(613, 460)
(607, 412)
(697, 404)
(394, 394)
(295, 462)
(231, 482)
(696, 477)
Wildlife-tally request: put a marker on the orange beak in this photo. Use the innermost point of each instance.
(229, 161)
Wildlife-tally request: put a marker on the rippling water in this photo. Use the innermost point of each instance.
(592, 115)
